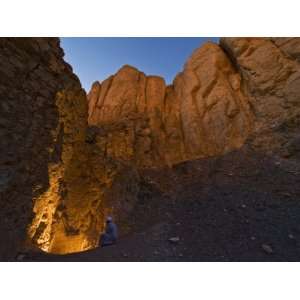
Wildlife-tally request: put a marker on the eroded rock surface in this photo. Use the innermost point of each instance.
(204, 113)
(243, 90)
(33, 75)
(67, 159)
(270, 72)
(52, 187)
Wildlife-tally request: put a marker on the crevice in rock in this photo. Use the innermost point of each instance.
(80, 165)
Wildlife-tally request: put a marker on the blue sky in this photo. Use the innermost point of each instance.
(97, 58)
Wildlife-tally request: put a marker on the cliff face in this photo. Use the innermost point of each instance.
(270, 71)
(243, 89)
(204, 112)
(52, 187)
(68, 160)
(32, 74)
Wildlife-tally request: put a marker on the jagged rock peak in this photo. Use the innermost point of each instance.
(226, 94)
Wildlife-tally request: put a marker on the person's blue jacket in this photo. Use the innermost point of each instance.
(111, 231)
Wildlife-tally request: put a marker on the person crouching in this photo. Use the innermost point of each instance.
(111, 233)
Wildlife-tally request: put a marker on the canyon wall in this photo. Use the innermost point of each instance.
(52, 187)
(270, 72)
(243, 90)
(204, 113)
(32, 73)
(67, 160)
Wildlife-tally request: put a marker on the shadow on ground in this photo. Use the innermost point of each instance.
(241, 207)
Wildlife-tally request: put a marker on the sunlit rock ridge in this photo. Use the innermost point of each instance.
(67, 159)
(244, 88)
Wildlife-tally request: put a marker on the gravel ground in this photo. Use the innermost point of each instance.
(241, 207)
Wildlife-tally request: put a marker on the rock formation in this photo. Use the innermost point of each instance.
(270, 72)
(68, 159)
(243, 89)
(204, 113)
(52, 187)
(32, 75)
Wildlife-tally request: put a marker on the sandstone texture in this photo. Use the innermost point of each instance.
(69, 159)
(245, 90)
(203, 113)
(270, 72)
(52, 187)
(32, 74)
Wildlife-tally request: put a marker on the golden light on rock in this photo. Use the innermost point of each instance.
(67, 216)
(75, 158)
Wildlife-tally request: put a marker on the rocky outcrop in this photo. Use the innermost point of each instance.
(54, 191)
(289, 46)
(215, 113)
(243, 90)
(270, 72)
(32, 74)
(68, 160)
(204, 113)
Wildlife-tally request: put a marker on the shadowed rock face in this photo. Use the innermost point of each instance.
(270, 72)
(38, 141)
(68, 160)
(52, 187)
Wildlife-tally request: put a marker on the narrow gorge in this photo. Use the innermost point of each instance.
(68, 159)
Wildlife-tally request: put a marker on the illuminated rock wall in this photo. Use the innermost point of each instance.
(32, 73)
(270, 72)
(60, 177)
(243, 90)
(204, 113)
(52, 185)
